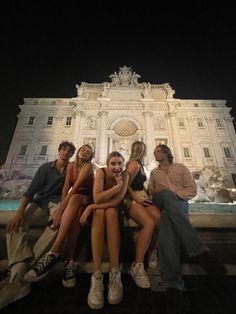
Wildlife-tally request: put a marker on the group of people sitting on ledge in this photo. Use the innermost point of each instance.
(65, 195)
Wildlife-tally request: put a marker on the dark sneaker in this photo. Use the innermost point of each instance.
(211, 265)
(69, 277)
(41, 268)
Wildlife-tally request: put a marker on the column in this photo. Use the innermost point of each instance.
(194, 136)
(110, 140)
(149, 135)
(218, 155)
(78, 129)
(102, 153)
(175, 137)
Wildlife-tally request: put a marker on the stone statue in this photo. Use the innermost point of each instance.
(147, 90)
(104, 92)
(125, 77)
(80, 91)
(134, 79)
(115, 81)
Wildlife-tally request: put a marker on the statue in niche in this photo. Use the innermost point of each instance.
(80, 91)
(147, 90)
(106, 87)
(90, 123)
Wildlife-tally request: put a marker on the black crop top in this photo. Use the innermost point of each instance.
(138, 181)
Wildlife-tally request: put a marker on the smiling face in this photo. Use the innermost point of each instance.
(85, 153)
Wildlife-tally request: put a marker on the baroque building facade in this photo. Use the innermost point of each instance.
(112, 115)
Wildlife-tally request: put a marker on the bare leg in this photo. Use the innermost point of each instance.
(69, 215)
(98, 238)
(140, 215)
(113, 236)
(72, 238)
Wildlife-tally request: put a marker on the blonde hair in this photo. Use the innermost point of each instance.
(78, 162)
(138, 152)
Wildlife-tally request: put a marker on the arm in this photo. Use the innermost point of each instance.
(132, 169)
(189, 189)
(99, 195)
(67, 184)
(112, 203)
(35, 186)
(85, 172)
(18, 219)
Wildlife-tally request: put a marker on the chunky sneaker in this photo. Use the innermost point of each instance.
(95, 296)
(153, 262)
(41, 268)
(69, 277)
(115, 287)
(12, 292)
(140, 276)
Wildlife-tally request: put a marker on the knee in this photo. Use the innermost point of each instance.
(99, 214)
(111, 214)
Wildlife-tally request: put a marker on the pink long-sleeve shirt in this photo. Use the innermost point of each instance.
(178, 179)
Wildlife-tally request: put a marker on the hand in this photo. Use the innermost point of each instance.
(85, 215)
(160, 188)
(56, 217)
(119, 183)
(147, 202)
(16, 222)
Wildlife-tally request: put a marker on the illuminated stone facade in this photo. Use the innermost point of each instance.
(111, 115)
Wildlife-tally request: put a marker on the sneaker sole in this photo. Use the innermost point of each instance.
(95, 306)
(21, 296)
(34, 279)
(140, 286)
(69, 283)
(110, 301)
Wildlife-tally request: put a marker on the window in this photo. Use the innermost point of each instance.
(186, 152)
(206, 152)
(181, 123)
(234, 177)
(227, 152)
(196, 105)
(213, 105)
(43, 150)
(23, 150)
(219, 123)
(68, 120)
(31, 120)
(199, 123)
(50, 119)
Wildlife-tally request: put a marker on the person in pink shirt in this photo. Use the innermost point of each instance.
(171, 186)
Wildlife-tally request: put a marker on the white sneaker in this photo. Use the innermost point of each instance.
(69, 277)
(153, 262)
(140, 276)
(13, 292)
(95, 296)
(115, 287)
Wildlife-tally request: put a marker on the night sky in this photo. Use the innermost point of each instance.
(49, 48)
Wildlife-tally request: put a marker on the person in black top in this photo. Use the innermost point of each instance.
(141, 210)
(36, 207)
